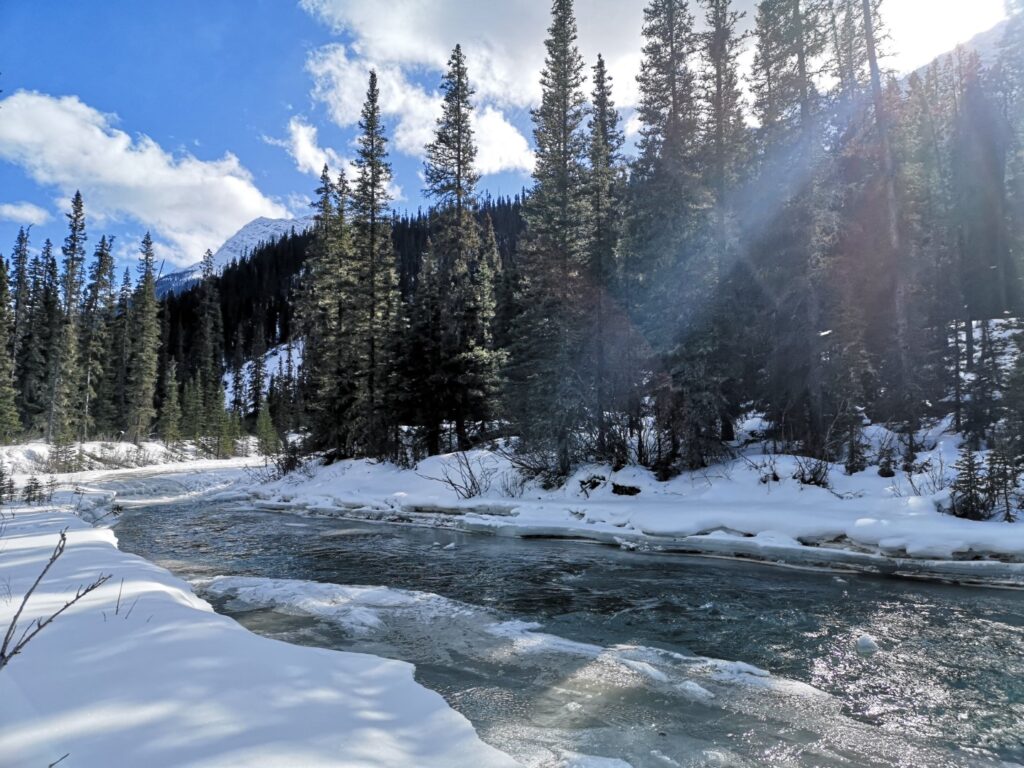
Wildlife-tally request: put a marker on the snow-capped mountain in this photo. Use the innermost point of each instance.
(235, 248)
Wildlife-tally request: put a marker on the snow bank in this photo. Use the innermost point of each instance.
(33, 458)
(142, 672)
(864, 522)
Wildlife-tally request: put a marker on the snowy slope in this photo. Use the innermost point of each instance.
(274, 360)
(143, 673)
(236, 248)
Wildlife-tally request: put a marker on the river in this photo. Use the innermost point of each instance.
(555, 649)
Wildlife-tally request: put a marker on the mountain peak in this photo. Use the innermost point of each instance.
(236, 248)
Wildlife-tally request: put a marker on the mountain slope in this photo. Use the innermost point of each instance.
(235, 248)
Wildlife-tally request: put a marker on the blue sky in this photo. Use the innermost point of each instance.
(192, 117)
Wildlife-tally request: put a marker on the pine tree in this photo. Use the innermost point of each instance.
(35, 369)
(666, 191)
(65, 372)
(449, 170)
(30, 359)
(192, 411)
(238, 390)
(257, 374)
(10, 425)
(605, 188)
(1002, 477)
(969, 497)
(268, 440)
(424, 387)
(21, 291)
(208, 357)
(459, 288)
(723, 127)
(369, 295)
(327, 378)
(98, 312)
(548, 411)
(791, 261)
(112, 404)
(145, 340)
(169, 423)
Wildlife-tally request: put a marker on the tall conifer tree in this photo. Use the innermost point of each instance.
(145, 341)
(547, 407)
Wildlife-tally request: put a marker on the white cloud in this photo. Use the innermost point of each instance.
(504, 42)
(500, 145)
(304, 148)
(340, 81)
(24, 213)
(504, 45)
(189, 204)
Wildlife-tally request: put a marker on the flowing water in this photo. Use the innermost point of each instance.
(556, 649)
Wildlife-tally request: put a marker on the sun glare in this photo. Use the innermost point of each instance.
(920, 30)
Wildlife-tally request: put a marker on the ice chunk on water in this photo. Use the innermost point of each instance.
(695, 692)
(867, 645)
(577, 760)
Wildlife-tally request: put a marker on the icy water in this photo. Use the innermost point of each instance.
(557, 649)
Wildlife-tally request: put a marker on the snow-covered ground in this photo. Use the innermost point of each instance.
(27, 459)
(863, 522)
(141, 672)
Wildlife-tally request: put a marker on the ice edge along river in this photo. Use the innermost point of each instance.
(143, 672)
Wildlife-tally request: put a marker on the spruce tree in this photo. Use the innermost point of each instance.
(423, 392)
(369, 296)
(113, 404)
(208, 357)
(145, 341)
(969, 498)
(98, 312)
(459, 288)
(169, 423)
(239, 395)
(10, 425)
(268, 440)
(45, 352)
(327, 378)
(257, 373)
(65, 369)
(547, 408)
(29, 360)
(605, 188)
(665, 190)
(1002, 477)
(21, 291)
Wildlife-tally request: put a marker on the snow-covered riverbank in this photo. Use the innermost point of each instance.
(143, 672)
(863, 522)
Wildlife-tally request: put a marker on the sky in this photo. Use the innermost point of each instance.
(190, 118)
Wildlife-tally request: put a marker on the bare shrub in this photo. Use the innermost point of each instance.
(513, 484)
(929, 477)
(812, 471)
(766, 468)
(468, 477)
